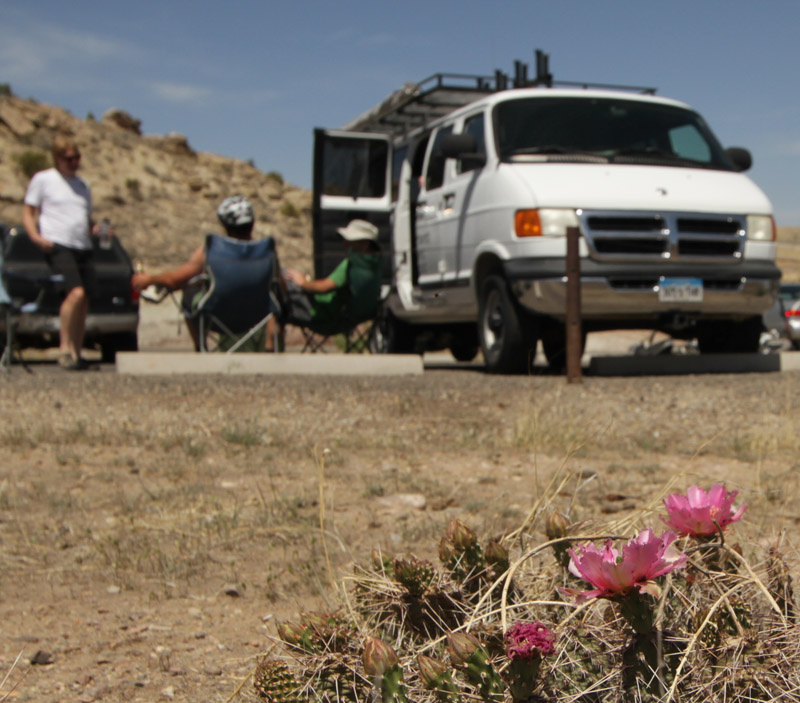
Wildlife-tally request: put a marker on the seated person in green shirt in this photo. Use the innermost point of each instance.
(321, 304)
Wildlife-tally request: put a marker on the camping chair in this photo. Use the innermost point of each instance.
(35, 286)
(360, 306)
(238, 298)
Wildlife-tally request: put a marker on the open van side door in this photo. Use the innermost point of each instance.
(352, 180)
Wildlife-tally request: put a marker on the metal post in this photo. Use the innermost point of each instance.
(573, 330)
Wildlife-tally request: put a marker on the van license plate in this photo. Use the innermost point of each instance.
(680, 290)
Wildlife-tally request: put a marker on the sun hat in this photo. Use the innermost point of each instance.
(359, 229)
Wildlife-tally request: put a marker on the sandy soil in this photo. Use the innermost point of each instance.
(152, 530)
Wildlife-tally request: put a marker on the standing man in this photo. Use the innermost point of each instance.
(57, 215)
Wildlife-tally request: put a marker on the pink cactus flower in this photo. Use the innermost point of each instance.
(526, 640)
(698, 513)
(643, 559)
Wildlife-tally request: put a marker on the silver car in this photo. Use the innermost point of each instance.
(784, 315)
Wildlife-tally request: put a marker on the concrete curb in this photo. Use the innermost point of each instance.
(664, 365)
(176, 363)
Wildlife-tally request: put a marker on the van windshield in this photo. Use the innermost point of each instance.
(605, 130)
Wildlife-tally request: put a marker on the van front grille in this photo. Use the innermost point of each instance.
(654, 236)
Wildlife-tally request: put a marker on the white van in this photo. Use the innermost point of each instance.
(474, 187)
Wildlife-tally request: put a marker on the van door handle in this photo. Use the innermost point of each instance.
(424, 210)
(448, 201)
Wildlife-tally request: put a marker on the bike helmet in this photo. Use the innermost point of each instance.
(235, 211)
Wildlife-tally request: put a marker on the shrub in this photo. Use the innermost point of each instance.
(5, 89)
(31, 161)
(289, 210)
(275, 176)
(134, 188)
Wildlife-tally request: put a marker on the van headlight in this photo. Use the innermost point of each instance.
(547, 222)
(761, 228)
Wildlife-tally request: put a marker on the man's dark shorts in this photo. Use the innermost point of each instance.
(75, 265)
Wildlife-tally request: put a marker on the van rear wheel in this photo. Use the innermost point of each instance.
(389, 335)
(504, 339)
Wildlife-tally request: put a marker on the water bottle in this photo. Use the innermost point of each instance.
(105, 234)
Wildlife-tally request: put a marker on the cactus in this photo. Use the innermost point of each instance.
(383, 666)
(436, 677)
(381, 562)
(413, 574)
(470, 657)
(275, 683)
(526, 644)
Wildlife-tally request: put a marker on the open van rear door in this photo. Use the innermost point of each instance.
(352, 179)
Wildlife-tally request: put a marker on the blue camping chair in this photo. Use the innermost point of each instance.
(239, 295)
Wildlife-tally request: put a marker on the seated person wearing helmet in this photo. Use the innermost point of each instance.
(318, 302)
(236, 216)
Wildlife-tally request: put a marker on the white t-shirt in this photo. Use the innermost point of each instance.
(65, 207)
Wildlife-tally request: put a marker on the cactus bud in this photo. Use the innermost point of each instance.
(435, 676)
(378, 657)
(462, 538)
(461, 646)
(430, 671)
(496, 556)
(383, 665)
(295, 635)
(556, 525)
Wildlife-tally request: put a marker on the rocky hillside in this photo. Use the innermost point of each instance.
(159, 193)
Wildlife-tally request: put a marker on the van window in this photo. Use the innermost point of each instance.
(613, 129)
(355, 168)
(435, 175)
(687, 142)
(475, 126)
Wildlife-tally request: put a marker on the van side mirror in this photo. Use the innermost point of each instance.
(740, 158)
(462, 147)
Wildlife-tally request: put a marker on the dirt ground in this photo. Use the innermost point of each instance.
(152, 530)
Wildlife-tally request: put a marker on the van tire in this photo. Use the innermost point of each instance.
(117, 342)
(504, 340)
(464, 351)
(554, 344)
(389, 335)
(729, 337)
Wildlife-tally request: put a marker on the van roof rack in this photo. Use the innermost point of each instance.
(417, 104)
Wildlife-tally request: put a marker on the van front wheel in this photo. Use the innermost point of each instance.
(504, 340)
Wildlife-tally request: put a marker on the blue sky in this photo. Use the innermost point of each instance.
(252, 79)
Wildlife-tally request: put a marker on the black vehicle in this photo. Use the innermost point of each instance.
(113, 316)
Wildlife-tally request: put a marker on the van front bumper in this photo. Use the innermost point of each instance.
(629, 291)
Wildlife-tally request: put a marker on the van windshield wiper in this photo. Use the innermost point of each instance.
(651, 154)
(558, 152)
